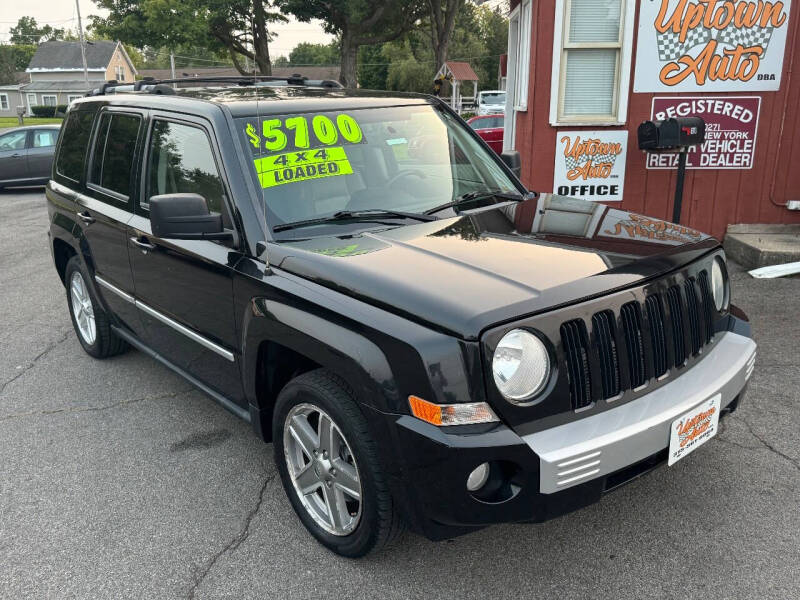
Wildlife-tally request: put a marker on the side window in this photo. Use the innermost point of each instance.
(181, 161)
(75, 139)
(44, 138)
(113, 158)
(13, 141)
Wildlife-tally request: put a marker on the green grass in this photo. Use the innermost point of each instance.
(6, 122)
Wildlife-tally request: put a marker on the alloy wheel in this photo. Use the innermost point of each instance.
(82, 308)
(323, 469)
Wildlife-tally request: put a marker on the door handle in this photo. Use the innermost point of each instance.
(86, 218)
(143, 244)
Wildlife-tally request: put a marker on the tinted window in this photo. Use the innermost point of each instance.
(45, 138)
(181, 161)
(73, 147)
(13, 141)
(114, 149)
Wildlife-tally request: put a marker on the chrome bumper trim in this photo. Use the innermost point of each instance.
(595, 446)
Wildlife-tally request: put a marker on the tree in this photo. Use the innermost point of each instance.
(357, 23)
(306, 53)
(238, 27)
(27, 31)
(493, 27)
(442, 23)
(373, 69)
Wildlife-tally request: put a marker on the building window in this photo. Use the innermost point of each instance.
(3, 101)
(592, 61)
(32, 101)
(522, 58)
(119, 73)
(48, 100)
(71, 99)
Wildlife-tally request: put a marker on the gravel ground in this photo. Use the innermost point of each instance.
(118, 479)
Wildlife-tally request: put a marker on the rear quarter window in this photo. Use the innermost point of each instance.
(74, 142)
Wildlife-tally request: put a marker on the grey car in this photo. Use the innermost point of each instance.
(26, 154)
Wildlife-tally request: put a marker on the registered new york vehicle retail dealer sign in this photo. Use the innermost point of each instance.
(711, 45)
(731, 130)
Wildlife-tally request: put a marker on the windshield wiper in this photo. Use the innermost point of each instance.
(473, 196)
(367, 214)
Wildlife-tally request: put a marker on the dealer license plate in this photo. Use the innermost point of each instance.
(693, 429)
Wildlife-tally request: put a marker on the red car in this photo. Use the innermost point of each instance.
(490, 128)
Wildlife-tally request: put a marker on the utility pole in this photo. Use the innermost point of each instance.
(172, 68)
(83, 45)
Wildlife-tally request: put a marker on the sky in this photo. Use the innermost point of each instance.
(61, 13)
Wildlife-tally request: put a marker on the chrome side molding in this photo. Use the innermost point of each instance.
(190, 333)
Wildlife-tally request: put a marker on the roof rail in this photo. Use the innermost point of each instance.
(161, 86)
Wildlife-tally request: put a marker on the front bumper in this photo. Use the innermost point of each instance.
(609, 441)
(557, 470)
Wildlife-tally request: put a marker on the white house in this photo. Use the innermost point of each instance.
(56, 74)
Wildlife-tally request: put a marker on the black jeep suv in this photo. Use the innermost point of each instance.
(425, 342)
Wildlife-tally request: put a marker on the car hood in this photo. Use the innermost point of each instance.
(487, 266)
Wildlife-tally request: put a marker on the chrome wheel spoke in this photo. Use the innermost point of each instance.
(302, 431)
(326, 434)
(337, 510)
(307, 480)
(346, 479)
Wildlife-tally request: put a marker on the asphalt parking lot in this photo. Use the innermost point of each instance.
(118, 479)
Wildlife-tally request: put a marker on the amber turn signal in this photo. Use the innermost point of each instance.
(443, 415)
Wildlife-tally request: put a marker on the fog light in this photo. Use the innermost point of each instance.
(477, 479)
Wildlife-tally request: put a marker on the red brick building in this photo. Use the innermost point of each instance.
(583, 74)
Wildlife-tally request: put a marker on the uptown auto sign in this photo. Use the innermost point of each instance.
(711, 45)
(590, 165)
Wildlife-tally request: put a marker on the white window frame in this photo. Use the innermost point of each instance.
(72, 97)
(4, 103)
(55, 100)
(523, 14)
(558, 81)
(119, 73)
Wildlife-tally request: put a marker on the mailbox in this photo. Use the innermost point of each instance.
(672, 134)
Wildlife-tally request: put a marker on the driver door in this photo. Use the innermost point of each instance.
(13, 156)
(186, 287)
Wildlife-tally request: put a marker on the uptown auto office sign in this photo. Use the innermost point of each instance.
(711, 45)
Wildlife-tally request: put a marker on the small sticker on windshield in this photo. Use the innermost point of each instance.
(280, 169)
(397, 141)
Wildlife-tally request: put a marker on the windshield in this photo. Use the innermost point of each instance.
(493, 97)
(407, 158)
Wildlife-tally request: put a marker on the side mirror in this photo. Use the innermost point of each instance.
(513, 161)
(185, 217)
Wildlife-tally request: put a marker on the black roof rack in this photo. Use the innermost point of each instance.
(163, 86)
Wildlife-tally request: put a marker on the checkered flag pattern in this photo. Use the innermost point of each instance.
(747, 38)
(574, 163)
(671, 48)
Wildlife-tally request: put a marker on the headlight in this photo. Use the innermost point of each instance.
(520, 366)
(719, 283)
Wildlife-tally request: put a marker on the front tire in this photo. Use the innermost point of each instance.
(329, 466)
(90, 321)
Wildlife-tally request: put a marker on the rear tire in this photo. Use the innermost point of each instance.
(331, 469)
(90, 321)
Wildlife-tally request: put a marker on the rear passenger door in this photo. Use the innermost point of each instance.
(106, 207)
(185, 288)
(40, 153)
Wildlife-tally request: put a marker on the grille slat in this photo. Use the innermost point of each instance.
(604, 329)
(708, 305)
(655, 318)
(574, 338)
(694, 315)
(676, 317)
(632, 322)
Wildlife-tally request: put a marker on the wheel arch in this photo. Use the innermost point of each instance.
(283, 341)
